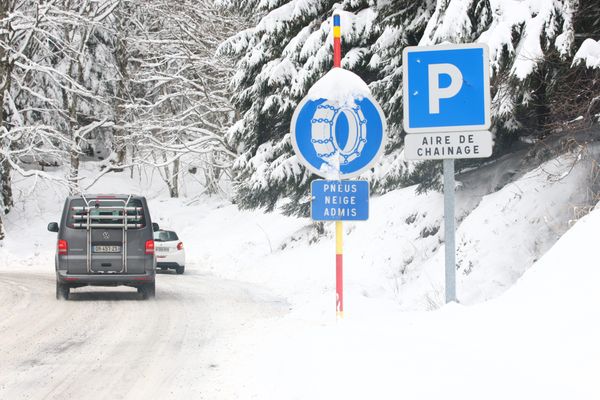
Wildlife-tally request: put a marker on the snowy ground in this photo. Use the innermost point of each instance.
(109, 344)
(253, 317)
(539, 340)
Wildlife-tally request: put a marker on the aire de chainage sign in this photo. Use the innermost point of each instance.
(447, 102)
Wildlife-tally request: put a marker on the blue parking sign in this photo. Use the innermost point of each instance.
(446, 88)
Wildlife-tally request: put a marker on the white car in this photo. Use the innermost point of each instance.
(169, 251)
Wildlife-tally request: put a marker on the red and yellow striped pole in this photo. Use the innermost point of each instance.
(337, 42)
(339, 272)
(339, 228)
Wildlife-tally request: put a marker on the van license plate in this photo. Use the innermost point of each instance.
(107, 249)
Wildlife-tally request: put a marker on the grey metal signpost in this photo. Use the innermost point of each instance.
(449, 230)
(447, 116)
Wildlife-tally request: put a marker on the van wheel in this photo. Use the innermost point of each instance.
(62, 291)
(180, 269)
(148, 290)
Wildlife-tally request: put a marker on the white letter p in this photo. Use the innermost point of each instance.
(435, 91)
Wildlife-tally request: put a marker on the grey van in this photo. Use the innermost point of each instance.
(105, 240)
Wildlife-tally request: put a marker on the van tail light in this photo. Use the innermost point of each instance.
(63, 247)
(149, 246)
(180, 246)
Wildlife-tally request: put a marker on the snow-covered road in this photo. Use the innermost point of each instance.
(108, 343)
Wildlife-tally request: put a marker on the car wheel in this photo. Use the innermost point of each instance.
(180, 270)
(62, 291)
(148, 290)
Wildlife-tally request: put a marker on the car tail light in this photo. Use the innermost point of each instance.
(63, 247)
(149, 246)
(180, 246)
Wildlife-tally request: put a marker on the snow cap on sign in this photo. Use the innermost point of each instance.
(339, 86)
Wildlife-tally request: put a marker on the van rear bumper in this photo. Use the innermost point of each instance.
(105, 279)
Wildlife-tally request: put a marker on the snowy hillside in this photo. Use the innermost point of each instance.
(539, 340)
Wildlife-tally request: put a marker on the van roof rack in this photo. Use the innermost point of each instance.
(88, 208)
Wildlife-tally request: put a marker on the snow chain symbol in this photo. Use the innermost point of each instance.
(323, 129)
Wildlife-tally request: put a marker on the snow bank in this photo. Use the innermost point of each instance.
(508, 230)
(537, 341)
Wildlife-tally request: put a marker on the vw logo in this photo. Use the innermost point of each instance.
(105, 235)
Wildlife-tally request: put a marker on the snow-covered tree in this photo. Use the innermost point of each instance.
(573, 101)
(53, 100)
(176, 87)
(21, 24)
(5, 8)
(278, 60)
(125, 24)
(531, 43)
(81, 65)
(401, 23)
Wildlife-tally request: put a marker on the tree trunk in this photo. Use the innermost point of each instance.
(6, 198)
(121, 59)
(6, 190)
(212, 174)
(74, 170)
(6, 187)
(174, 189)
(132, 163)
(70, 103)
(119, 143)
(171, 177)
(2, 234)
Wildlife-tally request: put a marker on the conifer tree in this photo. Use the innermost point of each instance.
(278, 60)
(401, 23)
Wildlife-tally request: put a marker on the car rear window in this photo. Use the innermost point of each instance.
(165, 236)
(77, 217)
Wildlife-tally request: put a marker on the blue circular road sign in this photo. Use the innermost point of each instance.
(325, 133)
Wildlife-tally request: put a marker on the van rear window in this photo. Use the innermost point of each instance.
(165, 236)
(106, 213)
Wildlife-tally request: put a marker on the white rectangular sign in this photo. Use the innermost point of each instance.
(448, 145)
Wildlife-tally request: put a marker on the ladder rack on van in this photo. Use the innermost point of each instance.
(90, 222)
(107, 208)
(101, 217)
(99, 225)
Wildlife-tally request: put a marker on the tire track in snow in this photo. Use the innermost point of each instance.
(107, 343)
